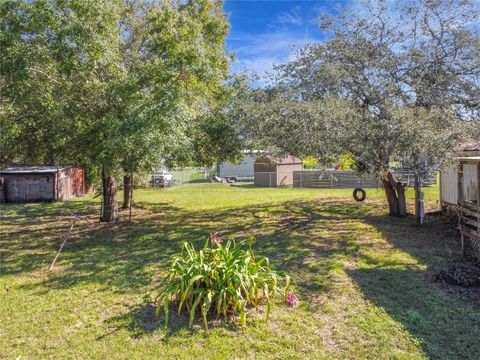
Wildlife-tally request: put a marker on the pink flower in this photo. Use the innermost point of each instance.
(215, 238)
(292, 299)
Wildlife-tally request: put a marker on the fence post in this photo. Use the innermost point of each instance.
(418, 200)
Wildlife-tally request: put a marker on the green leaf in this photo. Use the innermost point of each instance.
(228, 276)
(193, 309)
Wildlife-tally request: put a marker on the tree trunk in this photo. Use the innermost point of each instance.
(395, 193)
(391, 197)
(402, 200)
(127, 191)
(418, 205)
(110, 204)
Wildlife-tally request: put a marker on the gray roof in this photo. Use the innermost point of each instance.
(32, 169)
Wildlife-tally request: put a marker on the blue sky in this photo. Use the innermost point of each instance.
(266, 32)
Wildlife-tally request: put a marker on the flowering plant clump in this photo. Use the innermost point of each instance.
(215, 238)
(220, 280)
(291, 299)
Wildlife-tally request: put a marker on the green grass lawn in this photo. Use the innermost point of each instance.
(363, 278)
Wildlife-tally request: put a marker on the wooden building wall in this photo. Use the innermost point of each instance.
(285, 173)
(270, 173)
(449, 184)
(32, 187)
(317, 179)
(29, 187)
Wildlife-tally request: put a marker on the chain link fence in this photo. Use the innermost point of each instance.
(180, 177)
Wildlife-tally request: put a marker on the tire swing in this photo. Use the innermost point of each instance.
(359, 194)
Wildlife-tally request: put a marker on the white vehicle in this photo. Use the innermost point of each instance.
(162, 178)
(165, 175)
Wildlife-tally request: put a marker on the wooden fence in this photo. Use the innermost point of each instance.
(334, 180)
(469, 227)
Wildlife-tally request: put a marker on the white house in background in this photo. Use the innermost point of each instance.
(242, 169)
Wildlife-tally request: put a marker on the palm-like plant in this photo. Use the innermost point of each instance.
(221, 280)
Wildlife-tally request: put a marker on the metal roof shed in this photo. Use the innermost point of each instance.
(40, 183)
(273, 172)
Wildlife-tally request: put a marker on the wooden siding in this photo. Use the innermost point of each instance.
(265, 179)
(29, 187)
(273, 173)
(448, 186)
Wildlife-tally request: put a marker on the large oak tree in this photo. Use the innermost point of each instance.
(390, 81)
(111, 84)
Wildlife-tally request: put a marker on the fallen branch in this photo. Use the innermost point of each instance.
(75, 217)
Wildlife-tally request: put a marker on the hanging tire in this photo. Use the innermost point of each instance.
(359, 194)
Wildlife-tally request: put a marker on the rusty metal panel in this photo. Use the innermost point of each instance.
(78, 182)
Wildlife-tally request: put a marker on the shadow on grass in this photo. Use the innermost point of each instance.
(140, 320)
(41, 209)
(310, 239)
(444, 326)
(125, 257)
(248, 185)
(442, 323)
(197, 181)
(432, 243)
(30, 233)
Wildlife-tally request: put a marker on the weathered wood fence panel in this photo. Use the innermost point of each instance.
(333, 180)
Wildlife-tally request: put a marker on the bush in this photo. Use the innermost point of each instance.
(346, 162)
(309, 162)
(221, 280)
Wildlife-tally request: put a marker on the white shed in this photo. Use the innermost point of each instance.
(460, 189)
(241, 169)
(449, 180)
(448, 186)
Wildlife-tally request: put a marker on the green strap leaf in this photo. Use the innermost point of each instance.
(193, 309)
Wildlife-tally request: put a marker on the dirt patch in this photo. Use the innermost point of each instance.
(464, 275)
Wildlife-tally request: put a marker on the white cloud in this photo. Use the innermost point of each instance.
(259, 53)
(291, 17)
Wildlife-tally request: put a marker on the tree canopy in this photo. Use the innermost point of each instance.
(390, 81)
(112, 84)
